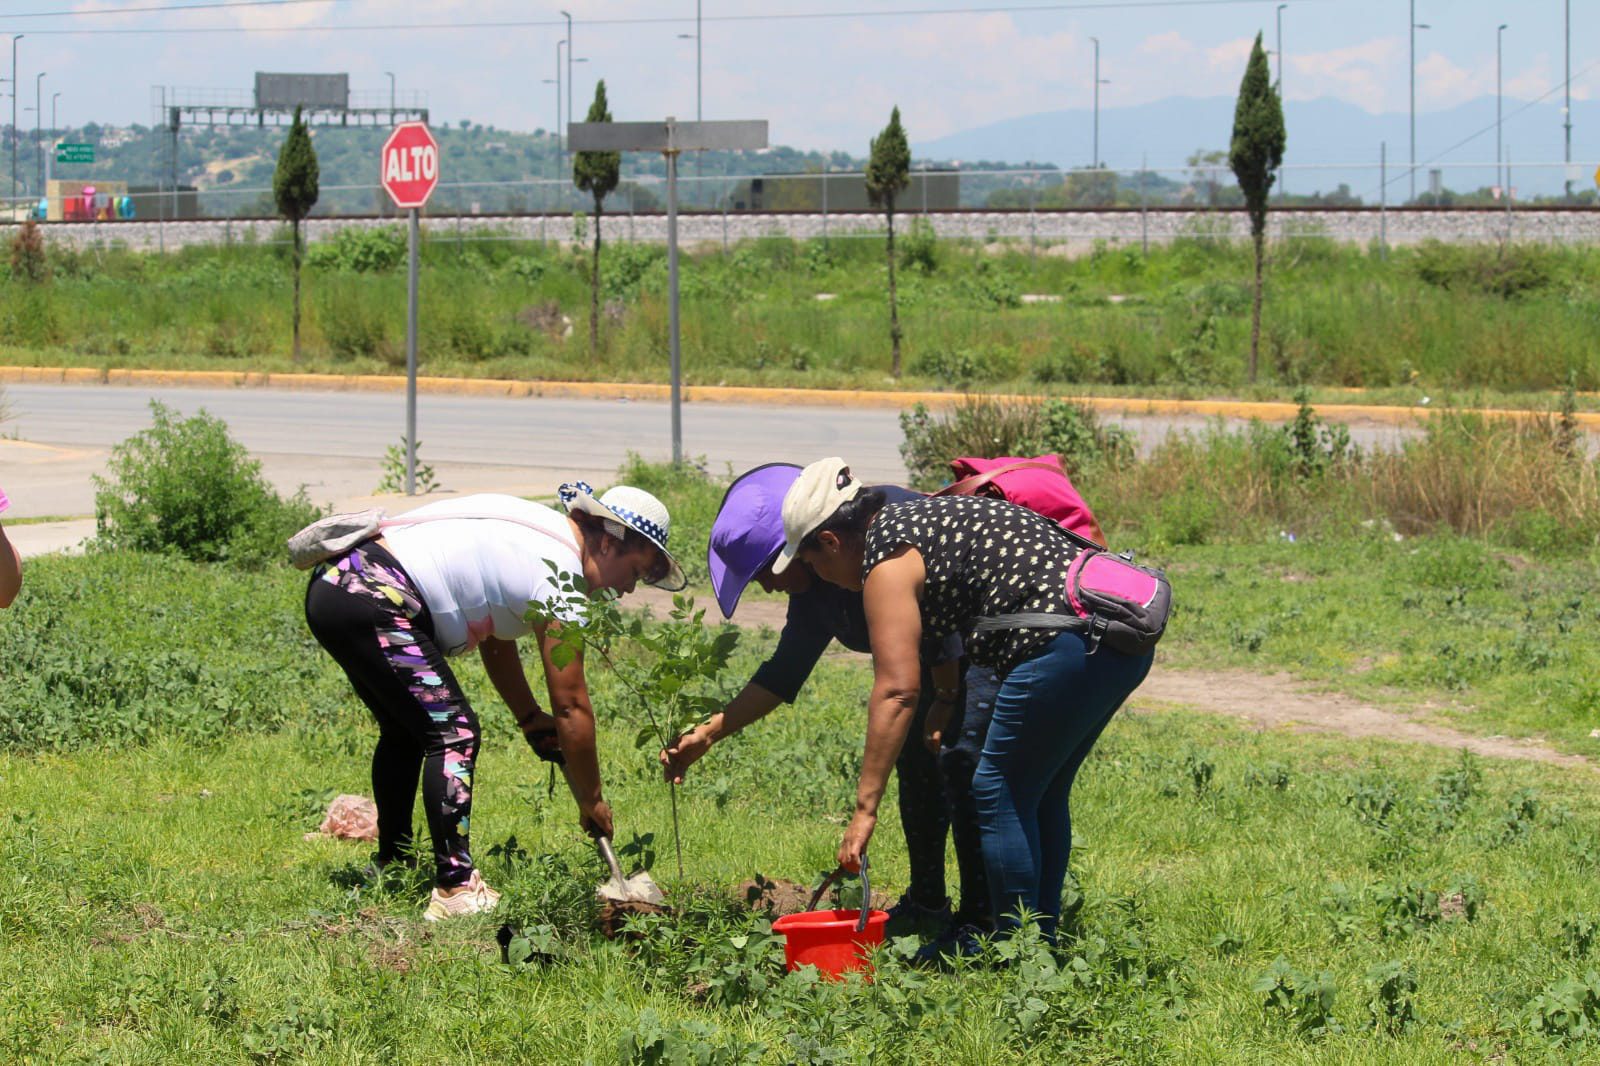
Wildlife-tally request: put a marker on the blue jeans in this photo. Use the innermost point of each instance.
(1047, 716)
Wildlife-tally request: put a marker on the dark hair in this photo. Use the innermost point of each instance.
(850, 520)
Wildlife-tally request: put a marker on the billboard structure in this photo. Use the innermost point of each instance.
(324, 100)
(314, 92)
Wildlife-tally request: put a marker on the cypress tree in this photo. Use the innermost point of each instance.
(1255, 156)
(597, 174)
(888, 175)
(294, 187)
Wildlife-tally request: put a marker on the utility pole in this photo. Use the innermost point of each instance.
(1566, 112)
(560, 141)
(1499, 103)
(38, 120)
(1415, 26)
(1283, 187)
(570, 90)
(1094, 160)
(15, 37)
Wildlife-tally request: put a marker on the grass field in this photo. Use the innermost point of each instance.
(1469, 325)
(157, 901)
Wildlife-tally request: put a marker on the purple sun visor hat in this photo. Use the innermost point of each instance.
(748, 530)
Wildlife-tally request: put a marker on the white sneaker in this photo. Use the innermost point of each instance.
(473, 898)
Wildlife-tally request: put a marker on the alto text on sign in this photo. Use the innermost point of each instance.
(409, 165)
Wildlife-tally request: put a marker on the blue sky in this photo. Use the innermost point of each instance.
(823, 82)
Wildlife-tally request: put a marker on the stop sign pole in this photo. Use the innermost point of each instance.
(409, 165)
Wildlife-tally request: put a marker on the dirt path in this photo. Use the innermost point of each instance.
(1269, 701)
(1279, 701)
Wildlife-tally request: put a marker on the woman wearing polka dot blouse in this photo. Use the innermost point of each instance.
(935, 566)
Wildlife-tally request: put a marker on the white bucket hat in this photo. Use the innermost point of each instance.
(634, 508)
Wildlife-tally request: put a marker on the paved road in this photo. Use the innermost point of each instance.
(333, 442)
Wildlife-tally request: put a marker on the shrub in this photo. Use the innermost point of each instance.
(28, 259)
(185, 487)
(919, 247)
(1495, 270)
(360, 250)
(988, 427)
(961, 366)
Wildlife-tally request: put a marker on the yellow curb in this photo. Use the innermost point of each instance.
(1265, 411)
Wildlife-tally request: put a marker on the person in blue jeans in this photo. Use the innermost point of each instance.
(745, 538)
(935, 566)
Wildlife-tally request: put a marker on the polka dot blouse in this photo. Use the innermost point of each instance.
(983, 557)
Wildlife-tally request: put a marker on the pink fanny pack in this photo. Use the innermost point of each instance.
(1114, 601)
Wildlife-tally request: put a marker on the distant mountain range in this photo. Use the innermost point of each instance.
(1322, 133)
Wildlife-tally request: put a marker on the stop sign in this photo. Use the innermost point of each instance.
(409, 164)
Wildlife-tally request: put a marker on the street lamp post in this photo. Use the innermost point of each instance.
(1280, 50)
(15, 37)
(1499, 102)
(1415, 26)
(1283, 188)
(560, 140)
(390, 75)
(1566, 112)
(570, 89)
(1095, 161)
(38, 120)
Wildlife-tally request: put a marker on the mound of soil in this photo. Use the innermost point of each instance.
(773, 898)
(613, 916)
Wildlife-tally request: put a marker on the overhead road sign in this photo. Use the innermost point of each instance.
(670, 138)
(74, 153)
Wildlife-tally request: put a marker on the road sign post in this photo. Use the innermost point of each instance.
(409, 169)
(671, 138)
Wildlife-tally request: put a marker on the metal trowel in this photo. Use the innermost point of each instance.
(640, 888)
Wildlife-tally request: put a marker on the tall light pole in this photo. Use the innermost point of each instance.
(15, 37)
(53, 98)
(390, 75)
(556, 155)
(1283, 189)
(1499, 102)
(1566, 112)
(1415, 26)
(38, 120)
(570, 89)
(560, 140)
(1280, 51)
(1094, 160)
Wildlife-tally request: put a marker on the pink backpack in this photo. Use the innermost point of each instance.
(1039, 484)
(1113, 601)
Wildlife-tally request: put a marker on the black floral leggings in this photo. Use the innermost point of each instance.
(364, 610)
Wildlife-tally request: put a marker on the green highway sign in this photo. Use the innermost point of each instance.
(74, 153)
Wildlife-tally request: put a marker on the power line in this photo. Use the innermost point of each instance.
(216, 5)
(502, 24)
(1469, 138)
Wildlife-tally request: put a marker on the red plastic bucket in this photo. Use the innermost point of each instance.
(828, 940)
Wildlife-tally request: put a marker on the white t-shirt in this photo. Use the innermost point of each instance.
(477, 576)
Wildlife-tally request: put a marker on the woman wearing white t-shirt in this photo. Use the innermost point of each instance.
(456, 576)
